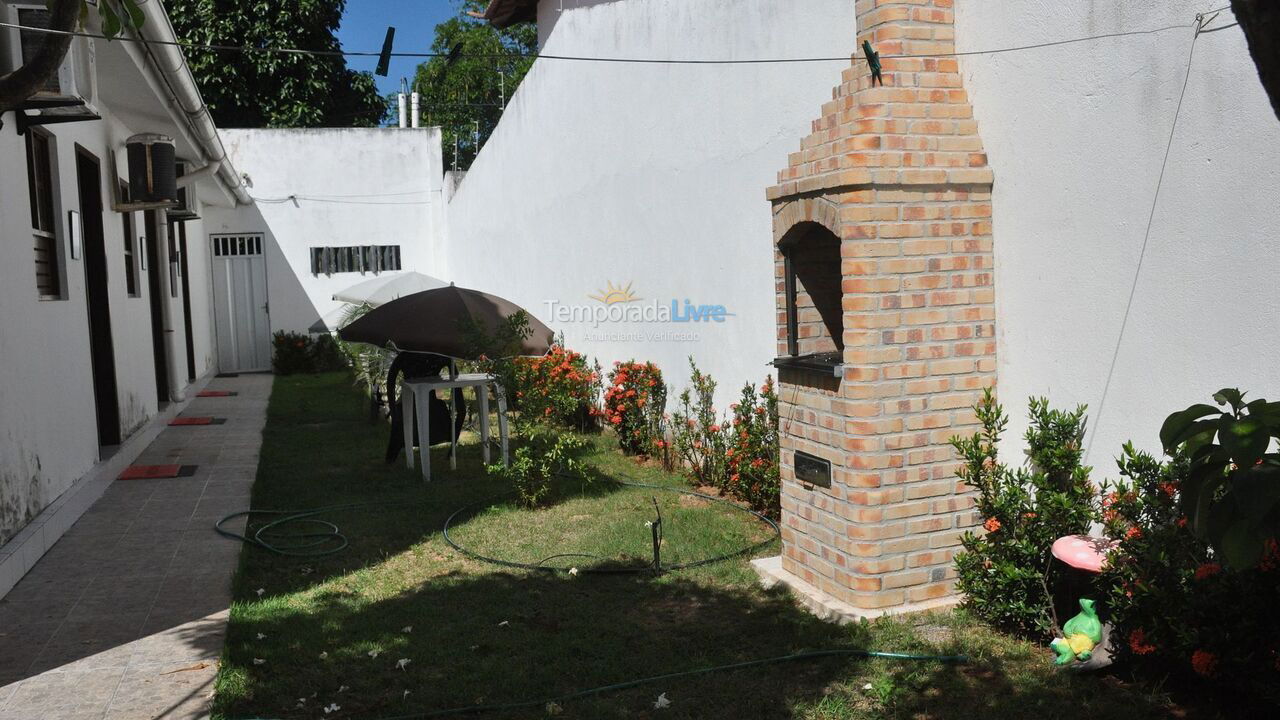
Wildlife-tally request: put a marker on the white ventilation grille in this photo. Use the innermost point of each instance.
(236, 245)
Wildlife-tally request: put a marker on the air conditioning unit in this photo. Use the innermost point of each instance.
(73, 90)
(153, 181)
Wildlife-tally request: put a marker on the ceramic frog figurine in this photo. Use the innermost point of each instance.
(1083, 632)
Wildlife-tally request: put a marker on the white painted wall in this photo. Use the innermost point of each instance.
(354, 186)
(48, 430)
(650, 174)
(1075, 135)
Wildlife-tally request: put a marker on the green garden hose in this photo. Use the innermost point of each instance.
(628, 684)
(270, 537)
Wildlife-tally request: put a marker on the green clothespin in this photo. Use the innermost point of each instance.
(873, 59)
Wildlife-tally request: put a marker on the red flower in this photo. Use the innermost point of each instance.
(1270, 556)
(714, 428)
(1204, 662)
(1168, 488)
(991, 524)
(1133, 533)
(1182, 522)
(1029, 515)
(1208, 570)
(1138, 643)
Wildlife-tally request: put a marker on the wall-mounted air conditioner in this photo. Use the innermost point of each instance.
(152, 173)
(73, 90)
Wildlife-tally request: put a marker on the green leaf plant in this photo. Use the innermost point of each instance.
(1232, 492)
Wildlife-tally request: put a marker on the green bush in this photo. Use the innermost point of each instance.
(542, 455)
(698, 436)
(1006, 574)
(298, 353)
(1176, 607)
(1231, 494)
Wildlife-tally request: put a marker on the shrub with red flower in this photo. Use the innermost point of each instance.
(559, 387)
(634, 405)
(1181, 607)
(752, 458)
(297, 353)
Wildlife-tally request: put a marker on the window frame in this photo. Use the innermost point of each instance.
(131, 287)
(44, 203)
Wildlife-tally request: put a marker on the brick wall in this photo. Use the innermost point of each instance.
(898, 174)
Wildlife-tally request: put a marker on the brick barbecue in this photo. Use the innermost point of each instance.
(886, 322)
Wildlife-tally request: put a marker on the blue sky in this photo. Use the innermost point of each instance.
(365, 25)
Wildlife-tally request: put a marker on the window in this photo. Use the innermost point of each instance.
(40, 189)
(354, 258)
(130, 263)
(232, 245)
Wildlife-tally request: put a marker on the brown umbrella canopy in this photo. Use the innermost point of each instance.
(443, 321)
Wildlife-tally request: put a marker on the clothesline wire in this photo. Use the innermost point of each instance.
(583, 58)
(1200, 24)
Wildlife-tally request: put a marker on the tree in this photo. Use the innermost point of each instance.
(266, 89)
(465, 94)
(64, 16)
(1260, 21)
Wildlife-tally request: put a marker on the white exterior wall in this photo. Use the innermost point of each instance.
(650, 174)
(48, 428)
(1075, 135)
(355, 186)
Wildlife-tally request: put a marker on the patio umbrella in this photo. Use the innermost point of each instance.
(385, 288)
(436, 321)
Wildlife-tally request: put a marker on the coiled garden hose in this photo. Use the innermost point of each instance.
(272, 538)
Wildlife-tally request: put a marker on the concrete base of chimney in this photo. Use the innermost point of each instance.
(827, 607)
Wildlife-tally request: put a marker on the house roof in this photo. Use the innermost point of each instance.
(505, 13)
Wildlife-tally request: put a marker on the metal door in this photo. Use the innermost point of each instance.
(240, 299)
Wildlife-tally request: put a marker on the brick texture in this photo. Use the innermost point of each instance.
(885, 212)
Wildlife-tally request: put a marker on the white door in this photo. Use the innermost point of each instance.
(240, 299)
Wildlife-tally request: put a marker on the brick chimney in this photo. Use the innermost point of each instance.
(886, 322)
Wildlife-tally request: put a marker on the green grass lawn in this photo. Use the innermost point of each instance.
(331, 630)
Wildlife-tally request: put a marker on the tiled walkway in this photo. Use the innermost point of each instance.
(125, 616)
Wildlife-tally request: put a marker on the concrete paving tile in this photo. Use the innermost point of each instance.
(170, 693)
(19, 616)
(141, 585)
(71, 695)
(192, 641)
(62, 590)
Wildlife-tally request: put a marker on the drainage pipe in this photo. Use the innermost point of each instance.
(170, 65)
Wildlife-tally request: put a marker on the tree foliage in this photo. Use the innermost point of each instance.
(465, 96)
(1260, 21)
(247, 89)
